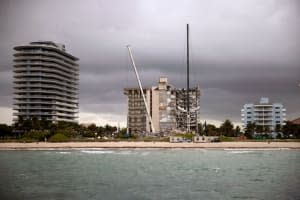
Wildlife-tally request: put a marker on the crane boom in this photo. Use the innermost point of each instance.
(140, 86)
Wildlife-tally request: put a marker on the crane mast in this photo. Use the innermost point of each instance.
(187, 80)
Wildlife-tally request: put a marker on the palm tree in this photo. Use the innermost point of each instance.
(278, 128)
(200, 129)
(237, 131)
(250, 129)
(227, 128)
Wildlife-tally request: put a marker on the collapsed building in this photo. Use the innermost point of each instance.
(168, 108)
(182, 119)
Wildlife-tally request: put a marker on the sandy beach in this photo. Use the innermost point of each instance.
(221, 145)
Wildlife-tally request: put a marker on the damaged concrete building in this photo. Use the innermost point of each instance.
(167, 106)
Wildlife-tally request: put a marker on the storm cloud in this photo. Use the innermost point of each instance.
(240, 50)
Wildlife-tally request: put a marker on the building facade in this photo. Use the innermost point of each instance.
(264, 114)
(137, 119)
(181, 105)
(45, 82)
(166, 104)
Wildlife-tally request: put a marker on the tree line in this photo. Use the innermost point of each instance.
(41, 130)
(289, 130)
(226, 129)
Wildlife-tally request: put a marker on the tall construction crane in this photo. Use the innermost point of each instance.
(188, 109)
(188, 80)
(141, 88)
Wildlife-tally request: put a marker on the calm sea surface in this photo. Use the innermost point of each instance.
(150, 174)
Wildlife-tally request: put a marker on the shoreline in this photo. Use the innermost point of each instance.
(154, 145)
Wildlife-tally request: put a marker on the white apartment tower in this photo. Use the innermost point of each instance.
(264, 114)
(45, 82)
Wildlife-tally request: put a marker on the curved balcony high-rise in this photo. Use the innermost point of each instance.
(45, 82)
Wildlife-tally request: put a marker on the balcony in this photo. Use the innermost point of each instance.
(263, 114)
(53, 70)
(45, 97)
(33, 113)
(45, 87)
(25, 81)
(43, 91)
(45, 58)
(53, 108)
(260, 106)
(65, 115)
(45, 76)
(31, 102)
(25, 53)
(66, 119)
(21, 81)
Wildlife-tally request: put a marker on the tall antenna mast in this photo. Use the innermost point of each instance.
(188, 79)
(141, 89)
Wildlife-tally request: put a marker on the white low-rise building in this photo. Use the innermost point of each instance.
(205, 139)
(176, 139)
(195, 139)
(264, 114)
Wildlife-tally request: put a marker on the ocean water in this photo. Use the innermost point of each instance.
(111, 174)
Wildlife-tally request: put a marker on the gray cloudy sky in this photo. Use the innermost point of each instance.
(240, 50)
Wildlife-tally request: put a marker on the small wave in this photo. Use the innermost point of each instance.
(240, 152)
(64, 152)
(255, 149)
(96, 152)
(124, 152)
(145, 153)
(284, 148)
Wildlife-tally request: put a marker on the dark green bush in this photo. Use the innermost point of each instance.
(88, 133)
(59, 138)
(39, 135)
(68, 132)
(226, 139)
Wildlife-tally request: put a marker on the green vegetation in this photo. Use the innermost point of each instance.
(33, 130)
(207, 129)
(288, 131)
(188, 136)
(291, 130)
(58, 137)
(38, 135)
(41, 130)
(261, 137)
(227, 139)
(226, 128)
(5, 131)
